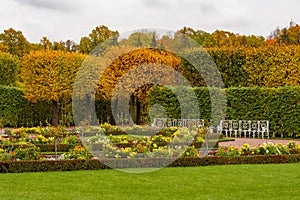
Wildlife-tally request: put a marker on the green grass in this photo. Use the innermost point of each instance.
(211, 182)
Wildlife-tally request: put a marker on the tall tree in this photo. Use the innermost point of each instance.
(153, 41)
(15, 42)
(294, 35)
(137, 82)
(97, 36)
(46, 43)
(49, 75)
(70, 45)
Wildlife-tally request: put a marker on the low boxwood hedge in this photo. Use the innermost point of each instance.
(43, 147)
(93, 164)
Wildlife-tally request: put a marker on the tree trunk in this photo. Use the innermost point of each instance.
(138, 112)
(54, 113)
(131, 110)
(88, 109)
(116, 115)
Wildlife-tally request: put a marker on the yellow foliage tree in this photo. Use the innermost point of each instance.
(49, 75)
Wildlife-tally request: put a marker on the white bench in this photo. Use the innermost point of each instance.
(250, 128)
(168, 122)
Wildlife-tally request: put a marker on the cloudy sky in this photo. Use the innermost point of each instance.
(72, 19)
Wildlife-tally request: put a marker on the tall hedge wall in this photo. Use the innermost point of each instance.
(281, 106)
(16, 111)
(269, 66)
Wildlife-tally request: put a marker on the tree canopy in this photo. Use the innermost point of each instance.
(49, 75)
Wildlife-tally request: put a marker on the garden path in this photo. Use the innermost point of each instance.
(238, 142)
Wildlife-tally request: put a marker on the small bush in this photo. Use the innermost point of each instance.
(28, 152)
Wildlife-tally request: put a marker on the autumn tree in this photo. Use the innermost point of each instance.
(15, 42)
(138, 67)
(46, 44)
(49, 75)
(293, 35)
(286, 36)
(70, 45)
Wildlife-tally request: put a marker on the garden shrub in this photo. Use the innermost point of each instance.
(28, 152)
(78, 152)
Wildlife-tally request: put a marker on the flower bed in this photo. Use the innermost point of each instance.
(169, 143)
(267, 148)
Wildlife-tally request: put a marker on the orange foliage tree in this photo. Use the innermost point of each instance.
(137, 66)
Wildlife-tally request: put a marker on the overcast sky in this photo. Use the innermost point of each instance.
(72, 19)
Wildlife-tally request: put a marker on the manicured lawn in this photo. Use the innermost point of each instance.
(211, 182)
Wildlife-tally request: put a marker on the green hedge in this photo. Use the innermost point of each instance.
(77, 164)
(281, 106)
(16, 111)
(43, 147)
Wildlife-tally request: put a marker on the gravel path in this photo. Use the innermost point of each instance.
(238, 142)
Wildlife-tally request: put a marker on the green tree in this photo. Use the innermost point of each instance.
(49, 75)
(15, 42)
(70, 45)
(97, 36)
(46, 44)
(153, 41)
(85, 45)
(139, 39)
(9, 65)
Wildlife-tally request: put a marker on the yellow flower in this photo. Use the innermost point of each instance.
(127, 149)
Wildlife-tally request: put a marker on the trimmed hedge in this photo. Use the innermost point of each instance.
(93, 164)
(281, 106)
(267, 66)
(43, 147)
(16, 111)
